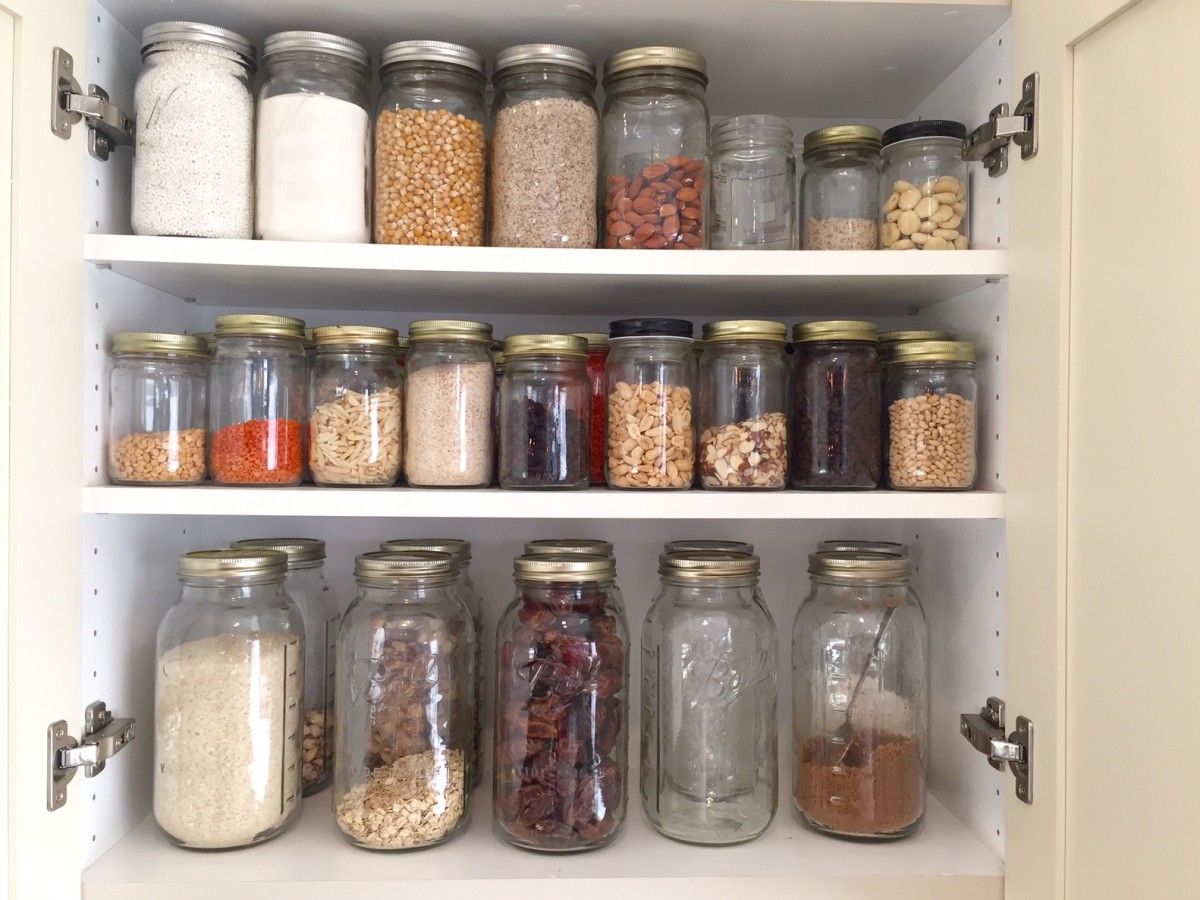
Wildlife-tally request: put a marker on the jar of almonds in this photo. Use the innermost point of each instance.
(924, 187)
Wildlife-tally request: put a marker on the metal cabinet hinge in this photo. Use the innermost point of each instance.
(103, 738)
(108, 127)
(985, 731)
(989, 142)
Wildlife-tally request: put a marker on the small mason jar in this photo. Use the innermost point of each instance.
(561, 756)
(651, 377)
(743, 405)
(320, 611)
(228, 695)
(710, 762)
(753, 184)
(839, 191)
(313, 146)
(405, 689)
(545, 412)
(654, 150)
(931, 398)
(430, 146)
(597, 359)
(258, 389)
(356, 400)
(448, 429)
(543, 154)
(554, 546)
(708, 546)
(925, 204)
(157, 409)
(193, 150)
(860, 693)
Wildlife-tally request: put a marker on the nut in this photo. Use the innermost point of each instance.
(659, 207)
(747, 454)
(159, 456)
(651, 441)
(935, 207)
(931, 442)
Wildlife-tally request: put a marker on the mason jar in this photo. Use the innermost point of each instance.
(753, 184)
(228, 695)
(651, 377)
(654, 150)
(320, 611)
(355, 400)
(448, 429)
(708, 546)
(860, 691)
(405, 690)
(157, 409)
(313, 146)
(555, 546)
(193, 149)
(597, 359)
(561, 756)
(924, 191)
(743, 405)
(430, 146)
(258, 385)
(543, 154)
(839, 191)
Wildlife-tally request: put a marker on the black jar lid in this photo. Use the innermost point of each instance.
(925, 128)
(650, 327)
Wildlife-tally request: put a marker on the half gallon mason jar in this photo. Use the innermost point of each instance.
(839, 192)
(753, 184)
(925, 205)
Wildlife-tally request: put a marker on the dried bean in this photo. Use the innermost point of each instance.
(161, 456)
(931, 442)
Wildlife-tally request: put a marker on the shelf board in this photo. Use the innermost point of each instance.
(486, 280)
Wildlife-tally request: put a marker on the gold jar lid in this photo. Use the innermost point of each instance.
(708, 564)
(255, 324)
(932, 351)
(655, 57)
(865, 135)
(533, 344)
(568, 545)
(707, 546)
(595, 339)
(745, 330)
(371, 335)
(153, 342)
(888, 548)
(568, 567)
(223, 564)
(835, 330)
(859, 566)
(298, 550)
(459, 549)
(449, 330)
(900, 337)
(406, 564)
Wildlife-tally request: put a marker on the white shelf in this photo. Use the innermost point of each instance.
(489, 280)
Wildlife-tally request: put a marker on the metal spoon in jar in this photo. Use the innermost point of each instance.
(845, 732)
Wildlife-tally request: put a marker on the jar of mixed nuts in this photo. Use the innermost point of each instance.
(924, 187)
(839, 191)
(753, 184)
(597, 359)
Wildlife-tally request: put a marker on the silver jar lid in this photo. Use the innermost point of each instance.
(197, 33)
(555, 54)
(225, 564)
(888, 548)
(558, 546)
(565, 567)
(859, 566)
(459, 549)
(300, 551)
(709, 564)
(655, 57)
(317, 42)
(406, 564)
(431, 51)
(708, 546)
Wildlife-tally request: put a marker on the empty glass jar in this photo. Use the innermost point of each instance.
(923, 190)
(753, 184)
(839, 191)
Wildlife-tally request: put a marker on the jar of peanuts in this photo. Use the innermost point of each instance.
(430, 146)
(258, 382)
(654, 150)
(157, 393)
(925, 204)
(753, 184)
(839, 191)
(932, 416)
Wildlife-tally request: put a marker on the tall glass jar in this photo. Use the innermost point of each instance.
(193, 150)
(923, 190)
(258, 385)
(405, 689)
(313, 147)
(839, 191)
(561, 759)
(228, 691)
(157, 409)
(753, 184)
(555, 546)
(708, 546)
(545, 412)
(860, 692)
(543, 165)
(933, 416)
(836, 400)
(597, 359)
(743, 405)
(651, 377)
(355, 398)
(710, 762)
(448, 429)
(430, 146)
(320, 611)
(654, 150)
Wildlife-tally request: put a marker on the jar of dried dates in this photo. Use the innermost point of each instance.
(597, 359)
(860, 694)
(561, 705)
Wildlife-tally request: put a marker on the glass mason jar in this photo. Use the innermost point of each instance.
(313, 146)
(710, 764)
(355, 400)
(753, 184)
(933, 420)
(448, 430)
(836, 406)
(555, 546)
(597, 359)
(860, 692)
(925, 204)
(193, 150)
(654, 150)
(157, 409)
(430, 146)
(258, 390)
(743, 405)
(708, 546)
(228, 691)
(839, 191)
(887, 548)
(544, 135)
(405, 690)
(561, 756)
(651, 377)
(545, 412)
(320, 611)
